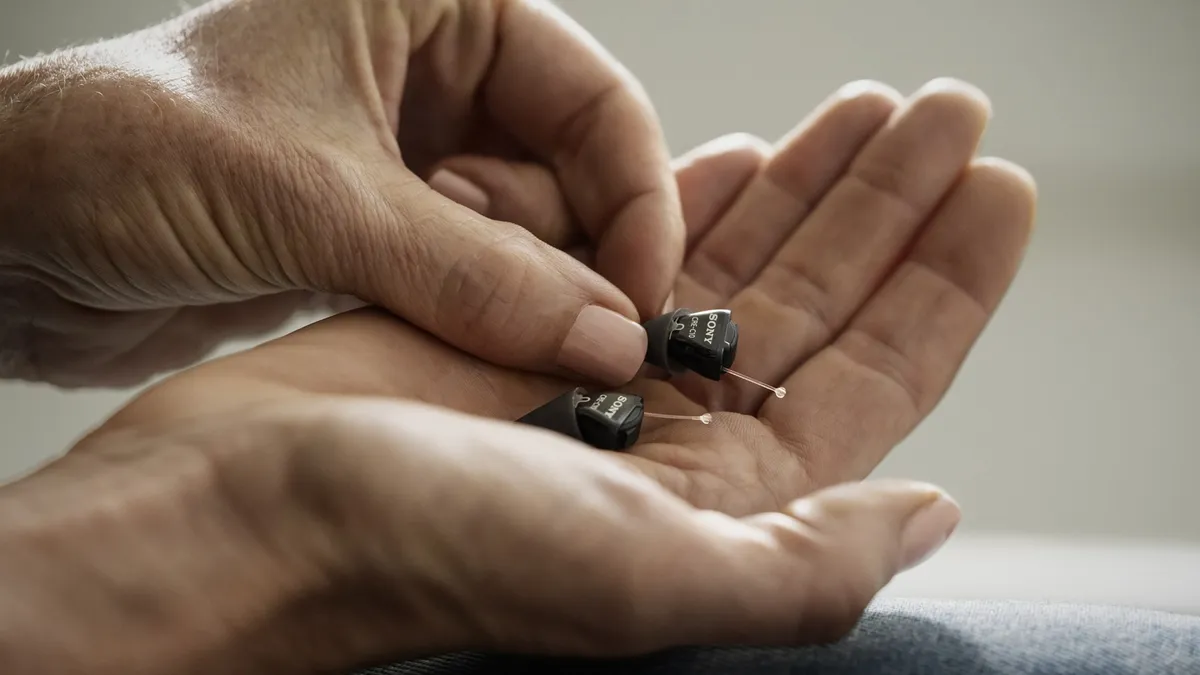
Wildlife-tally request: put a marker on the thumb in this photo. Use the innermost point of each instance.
(488, 287)
(806, 575)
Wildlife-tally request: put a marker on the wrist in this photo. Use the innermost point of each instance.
(128, 559)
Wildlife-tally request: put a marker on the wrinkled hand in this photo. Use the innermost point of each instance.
(267, 529)
(862, 258)
(204, 178)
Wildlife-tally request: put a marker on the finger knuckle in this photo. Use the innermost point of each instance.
(483, 295)
(883, 357)
(889, 181)
(798, 286)
(578, 129)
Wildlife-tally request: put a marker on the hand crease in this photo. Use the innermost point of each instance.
(896, 375)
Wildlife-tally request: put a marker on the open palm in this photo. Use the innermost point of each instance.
(861, 258)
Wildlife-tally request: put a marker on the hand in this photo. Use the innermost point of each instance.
(202, 179)
(862, 258)
(322, 533)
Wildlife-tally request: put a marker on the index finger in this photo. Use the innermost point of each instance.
(564, 97)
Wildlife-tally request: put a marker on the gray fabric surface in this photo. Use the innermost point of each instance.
(912, 638)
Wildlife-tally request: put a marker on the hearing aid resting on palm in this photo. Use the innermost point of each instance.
(705, 343)
(606, 421)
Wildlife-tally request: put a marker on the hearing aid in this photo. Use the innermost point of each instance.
(705, 343)
(606, 421)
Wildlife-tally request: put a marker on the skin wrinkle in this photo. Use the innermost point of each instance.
(270, 206)
(890, 363)
(147, 201)
(875, 183)
(704, 263)
(488, 311)
(332, 181)
(196, 262)
(210, 208)
(920, 267)
(420, 243)
(212, 200)
(807, 297)
(95, 260)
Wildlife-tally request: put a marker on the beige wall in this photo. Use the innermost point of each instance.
(1077, 412)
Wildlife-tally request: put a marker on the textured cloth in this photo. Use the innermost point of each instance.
(913, 638)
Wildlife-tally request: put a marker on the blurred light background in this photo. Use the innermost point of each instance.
(1069, 435)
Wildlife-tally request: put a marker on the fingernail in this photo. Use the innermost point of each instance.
(461, 190)
(927, 530)
(604, 345)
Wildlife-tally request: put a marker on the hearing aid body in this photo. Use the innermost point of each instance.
(702, 342)
(608, 421)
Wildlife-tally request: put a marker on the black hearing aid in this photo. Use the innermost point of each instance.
(608, 421)
(702, 342)
(705, 343)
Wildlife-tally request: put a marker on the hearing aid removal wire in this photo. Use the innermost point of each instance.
(706, 418)
(779, 392)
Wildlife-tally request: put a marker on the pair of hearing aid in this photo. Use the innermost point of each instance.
(701, 342)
